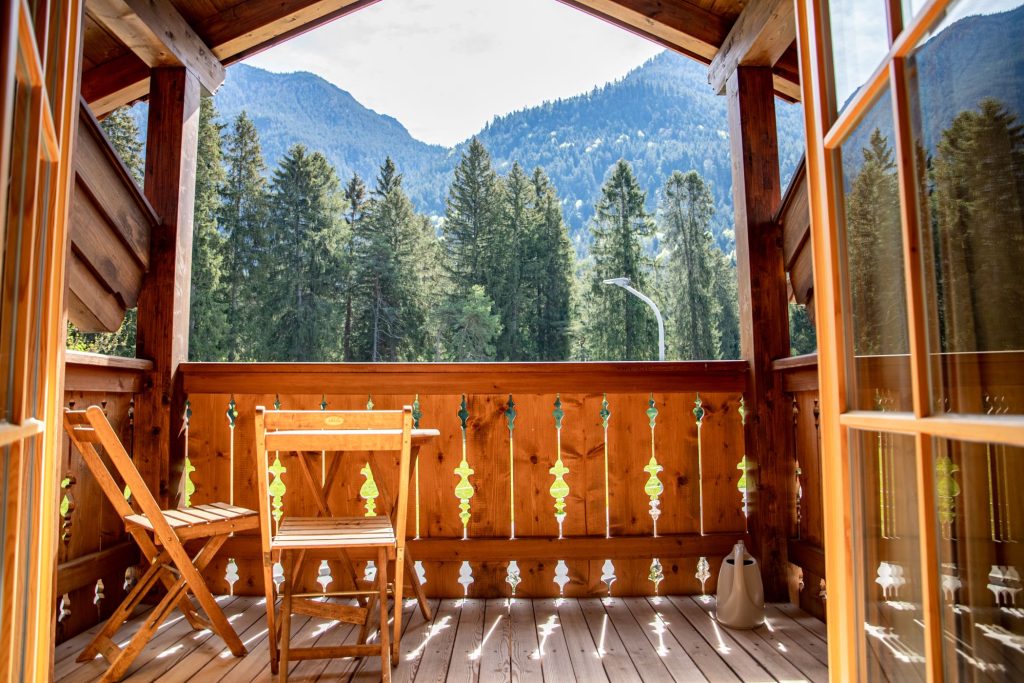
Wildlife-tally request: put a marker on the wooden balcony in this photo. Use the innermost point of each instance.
(579, 492)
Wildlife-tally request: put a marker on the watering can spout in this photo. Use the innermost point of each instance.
(740, 591)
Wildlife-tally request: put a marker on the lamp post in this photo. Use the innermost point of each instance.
(624, 283)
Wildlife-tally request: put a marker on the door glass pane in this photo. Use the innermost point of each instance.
(981, 557)
(873, 240)
(860, 40)
(966, 92)
(888, 566)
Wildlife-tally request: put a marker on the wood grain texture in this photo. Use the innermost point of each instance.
(763, 305)
(163, 320)
(536, 547)
(759, 37)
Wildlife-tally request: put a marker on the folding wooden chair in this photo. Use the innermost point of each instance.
(331, 433)
(159, 535)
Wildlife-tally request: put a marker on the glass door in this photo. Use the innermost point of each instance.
(915, 118)
(38, 110)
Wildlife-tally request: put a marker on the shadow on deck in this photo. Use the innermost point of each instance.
(559, 640)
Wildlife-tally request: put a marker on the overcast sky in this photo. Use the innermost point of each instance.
(444, 68)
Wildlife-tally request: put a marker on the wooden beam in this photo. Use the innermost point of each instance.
(458, 378)
(87, 569)
(680, 26)
(761, 35)
(158, 35)
(233, 34)
(534, 549)
(764, 308)
(171, 147)
(106, 374)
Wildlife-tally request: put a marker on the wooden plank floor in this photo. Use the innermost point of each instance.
(587, 640)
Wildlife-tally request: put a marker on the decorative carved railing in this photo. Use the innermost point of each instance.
(548, 479)
(95, 557)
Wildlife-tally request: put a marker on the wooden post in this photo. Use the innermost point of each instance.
(764, 313)
(172, 141)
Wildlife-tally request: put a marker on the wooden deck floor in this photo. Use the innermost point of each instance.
(620, 639)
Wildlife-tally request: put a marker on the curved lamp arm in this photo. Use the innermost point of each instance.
(624, 283)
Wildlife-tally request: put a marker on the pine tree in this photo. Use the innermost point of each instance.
(472, 326)
(243, 221)
(803, 338)
(874, 243)
(120, 129)
(686, 211)
(470, 217)
(305, 275)
(508, 253)
(978, 230)
(208, 318)
(355, 199)
(619, 326)
(726, 305)
(548, 275)
(386, 256)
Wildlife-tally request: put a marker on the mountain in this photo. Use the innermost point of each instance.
(661, 117)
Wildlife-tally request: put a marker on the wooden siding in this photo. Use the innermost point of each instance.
(110, 229)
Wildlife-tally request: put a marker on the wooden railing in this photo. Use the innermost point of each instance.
(547, 479)
(94, 554)
(806, 547)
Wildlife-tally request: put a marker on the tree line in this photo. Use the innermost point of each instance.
(296, 265)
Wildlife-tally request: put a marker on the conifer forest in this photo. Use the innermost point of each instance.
(294, 263)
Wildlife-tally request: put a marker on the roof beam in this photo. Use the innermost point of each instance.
(677, 25)
(760, 36)
(159, 36)
(234, 34)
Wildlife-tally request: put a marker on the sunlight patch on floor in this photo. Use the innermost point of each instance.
(435, 629)
(478, 652)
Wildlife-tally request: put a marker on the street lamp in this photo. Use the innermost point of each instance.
(624, 283)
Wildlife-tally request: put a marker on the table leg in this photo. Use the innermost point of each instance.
(387, 507)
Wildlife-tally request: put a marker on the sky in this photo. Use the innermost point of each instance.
(444, 68)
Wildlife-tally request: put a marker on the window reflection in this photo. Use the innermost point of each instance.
(889, 567)
(967, 98)
(877, 309)
(981, 558)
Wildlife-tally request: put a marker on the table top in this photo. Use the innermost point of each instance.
(360, 439)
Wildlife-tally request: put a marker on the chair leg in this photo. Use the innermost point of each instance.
(286, 625)
(385, 645)
(364, 629)
(124, 659)
(268, 588)
(399, 587)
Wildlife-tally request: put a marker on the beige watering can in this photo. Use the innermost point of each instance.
(740, 591)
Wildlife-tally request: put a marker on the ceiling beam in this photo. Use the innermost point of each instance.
(159, 36)
(677, 25)
(234, 34)
(760, 36)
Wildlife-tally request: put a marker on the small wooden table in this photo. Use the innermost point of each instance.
(384, 500)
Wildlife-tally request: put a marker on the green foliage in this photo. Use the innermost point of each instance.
(472, 326)
(120, 128)
(978, 214)
(802, 337)
(385, 257)
(243, 224)
(208, 320)
(471, 213)
(686, 211)
(618, 326)
(304, 270)
(875, 253)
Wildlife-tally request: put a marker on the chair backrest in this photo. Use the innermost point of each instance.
(333, 430)
(89, 428)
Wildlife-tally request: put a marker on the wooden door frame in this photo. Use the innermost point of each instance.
(825, 133)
